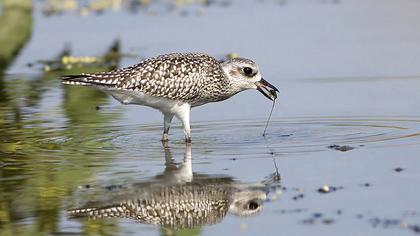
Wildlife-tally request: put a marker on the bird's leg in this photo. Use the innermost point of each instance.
(185, 169)
(167, 118)
(170, 165)
(184, 115)
(187, 131)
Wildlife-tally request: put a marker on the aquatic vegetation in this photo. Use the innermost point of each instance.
(77, 64)
(232, 55)
(85, 8)
(15, 29)
(34, 180)
(40, 188)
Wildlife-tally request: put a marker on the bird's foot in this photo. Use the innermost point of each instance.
(188, 139)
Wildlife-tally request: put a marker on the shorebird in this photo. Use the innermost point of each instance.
(178, 198)
(174, 83)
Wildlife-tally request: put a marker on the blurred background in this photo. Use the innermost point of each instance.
(291, 40)
(332, 60)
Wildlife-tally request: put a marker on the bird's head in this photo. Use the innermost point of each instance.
(244, 74)
(247, 203)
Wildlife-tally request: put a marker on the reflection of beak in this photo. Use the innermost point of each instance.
(267, 89)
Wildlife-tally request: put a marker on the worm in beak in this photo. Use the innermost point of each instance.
(267, 89)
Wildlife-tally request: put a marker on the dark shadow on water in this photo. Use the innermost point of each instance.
(177, 199)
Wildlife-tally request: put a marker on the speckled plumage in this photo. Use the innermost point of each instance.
(173, 83)
(179, 206)
(173, 200)
(192, 77)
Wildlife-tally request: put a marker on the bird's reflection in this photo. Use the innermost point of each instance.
(179, 198)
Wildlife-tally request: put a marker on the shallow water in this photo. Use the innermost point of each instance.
(58, 156)
(351, 122)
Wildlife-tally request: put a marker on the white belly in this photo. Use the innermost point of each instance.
(165, 105)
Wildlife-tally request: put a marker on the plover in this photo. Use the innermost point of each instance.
(174, 83)
(173, 202)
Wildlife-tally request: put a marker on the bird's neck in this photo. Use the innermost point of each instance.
(230, 85)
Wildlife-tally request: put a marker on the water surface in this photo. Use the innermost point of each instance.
(347, 117)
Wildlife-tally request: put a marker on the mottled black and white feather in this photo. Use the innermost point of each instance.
(177, 76)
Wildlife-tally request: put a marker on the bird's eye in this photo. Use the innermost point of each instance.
(247, 70)
(252, 205)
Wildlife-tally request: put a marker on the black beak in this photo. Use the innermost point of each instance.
(267, 89)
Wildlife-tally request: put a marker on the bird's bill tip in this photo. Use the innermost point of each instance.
(267, 89)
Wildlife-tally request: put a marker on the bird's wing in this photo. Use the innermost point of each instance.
(174, 76)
